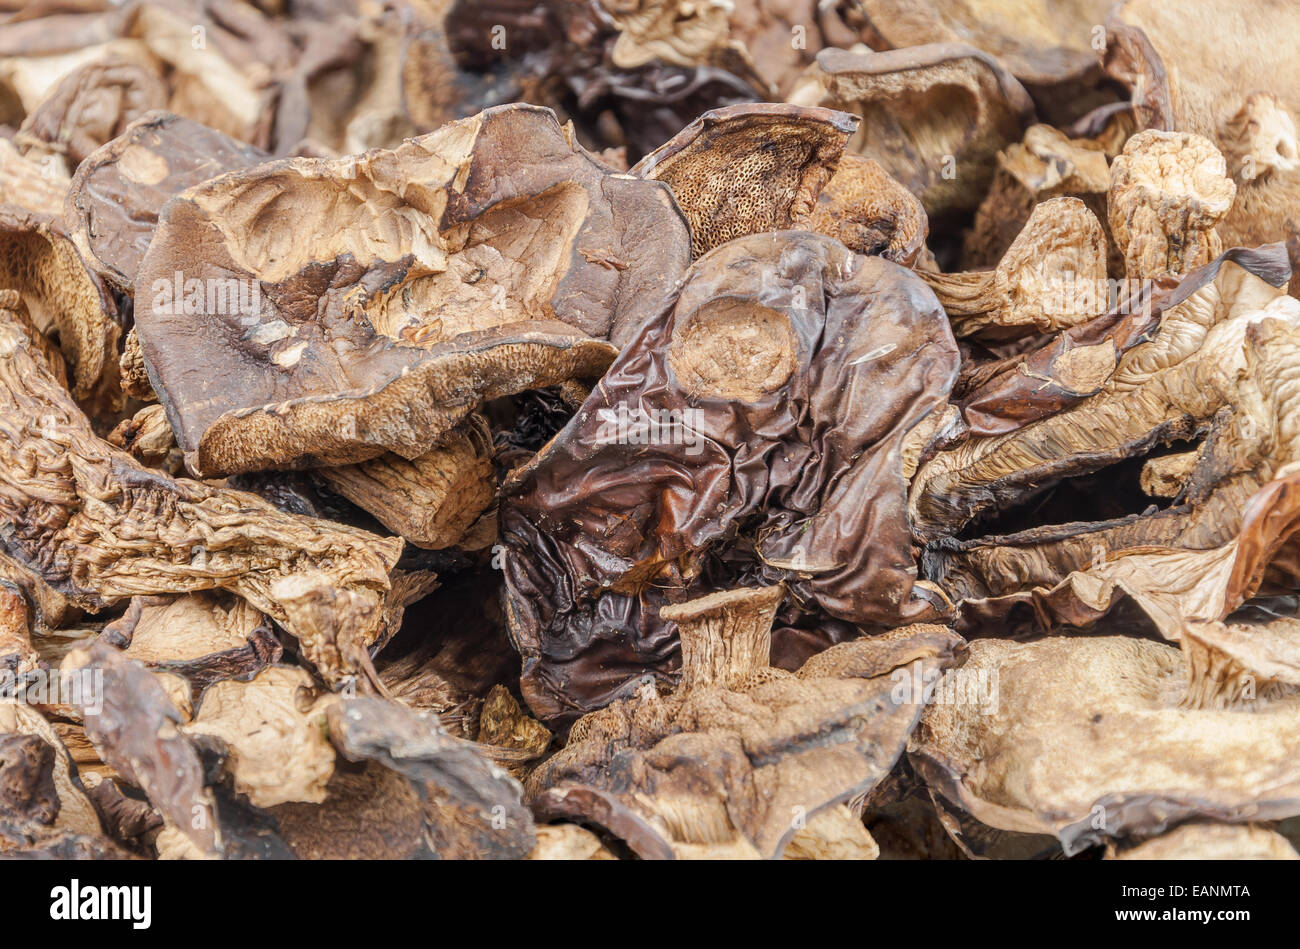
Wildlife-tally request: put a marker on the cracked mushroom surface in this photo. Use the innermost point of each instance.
(733, 436)
(487, 258)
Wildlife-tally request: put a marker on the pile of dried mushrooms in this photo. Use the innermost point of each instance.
(612, 429)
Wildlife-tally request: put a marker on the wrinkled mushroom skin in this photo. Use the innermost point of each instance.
(869, 212)
(761, 414)
(97, 527)
(933, 116)
(749, 169)
(388, 293)
(1167, 192)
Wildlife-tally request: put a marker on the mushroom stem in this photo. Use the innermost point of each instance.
(725, 636)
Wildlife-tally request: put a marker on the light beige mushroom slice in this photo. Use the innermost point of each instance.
(869, 212)
(1202, 841)
(148, 437)
(1056, 753)
(1052, 277)
(274, 727)
(568, 842)
(726, 637)
(1168, 191)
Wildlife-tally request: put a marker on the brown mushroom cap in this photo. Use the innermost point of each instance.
(1206, 841)
(749, 169)
(444, 266)
(116, 194)
(869, 212)
(747, 422)
(1056, 753)
(947, 155)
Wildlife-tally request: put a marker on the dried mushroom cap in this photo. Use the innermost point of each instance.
(1035, 287)
(946, 156)
(385, 295)
(275, 735)
(1247, 102)
(1046, 164)
(1168, 190)
(715, 770)
(134, 376)
(61, 296)
(503, 724)
(867, 211)
(135, 728)
(1039, 41)
(756, 425)
(1056, 753)
(148, 437)
(202, 637)
(1201, 841)
(432, 500)
(92, 105)
(473, 809)
(116, 194)
(749, 169)
(93, 524)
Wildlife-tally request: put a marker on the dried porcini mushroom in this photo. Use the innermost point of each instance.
(717, 767)
(749, 169)
(117, 192)
(98, 527)
(1033, 287)
(1046, 164)
(1223, 72)
(62, 297)
(44, 809)
(757, 426)
(90, 106)
(1168, 190)
(148, 438)
(1055, 753)
(1043, 42)
(459, 257)
(935, 116)
(867, 211)
(432, 500)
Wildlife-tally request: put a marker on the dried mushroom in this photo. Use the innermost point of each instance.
(1247, 103)
(98, 527)
(748, 169)
(744, 432)
(1055, 755)
(587, 429)
(1211, 842)
(947, 154)
(725, 766)
(519, 266)
(117, 192)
